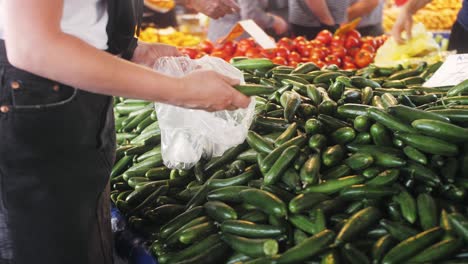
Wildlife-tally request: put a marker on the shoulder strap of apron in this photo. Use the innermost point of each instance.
(125, 18)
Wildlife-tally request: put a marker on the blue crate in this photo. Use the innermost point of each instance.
(129, 246)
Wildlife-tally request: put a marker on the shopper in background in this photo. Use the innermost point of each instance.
(458, 35)
(256, 10)
(371, 14)
(309, 17)
(56, 120)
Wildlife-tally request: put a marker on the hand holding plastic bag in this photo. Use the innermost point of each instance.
(187, 135)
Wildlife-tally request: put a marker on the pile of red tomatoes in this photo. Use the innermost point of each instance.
(349, 51)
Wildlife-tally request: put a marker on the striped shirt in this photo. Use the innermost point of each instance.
(300, 14)
(374, 17)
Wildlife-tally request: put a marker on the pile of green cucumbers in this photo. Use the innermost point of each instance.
(339, 166)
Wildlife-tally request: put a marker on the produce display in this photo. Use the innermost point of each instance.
(168, 36)
(437, 15)
(339, 166)
(348, 51)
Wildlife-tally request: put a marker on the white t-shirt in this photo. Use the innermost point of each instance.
(84, 19)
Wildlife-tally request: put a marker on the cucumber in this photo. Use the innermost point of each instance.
(455, 115)
(420, 142)
(459, 89)
(360, 191)
(343, 135)
(336, 172)
(250, 246)
(252, 64)
(362, 123)
(264, 201)
(121, 165)
(240, 179)
(366, 95)
(197, 232)
(384, 178)
(359, 161)
(380, 135)
(459, 224)
(227, 157)
(361, 82)
(304, 202)
(410, 114)
(313, 126)
(327, 77)
(334, 185)
(332, 155)
(398, 230)
(354, 255)
(288, 134)
(302, 223)
(307, 249)
(421, 173)
(407, 205)
(280, 165)
(219, 211)
(258, 143)
(251, 230)
(381, 247)
(415, 155)
(412, 245)
(271, 158)
(212, 254)
(441, 130)
(195, 249)
(439, 251)
(357, 223)
(310, 170)
(254, 89)
(389, 121)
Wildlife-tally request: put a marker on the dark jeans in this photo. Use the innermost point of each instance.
(56, 152)
(373, 30)
(458, 39)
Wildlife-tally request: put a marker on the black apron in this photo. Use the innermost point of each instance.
(57, 146)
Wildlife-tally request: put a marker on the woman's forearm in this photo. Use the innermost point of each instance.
(319, 8)
(50, 53)
(361, 8)
(412, 6)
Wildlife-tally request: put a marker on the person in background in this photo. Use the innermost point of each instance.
(57, 123)
(158, 19)
(309, 17)
(459, 33)
(371, 13)
(249, 9)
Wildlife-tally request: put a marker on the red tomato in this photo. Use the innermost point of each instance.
(293, 63)
(368, 47)
(348, 58)
(315, 43)
(286, 43)
(332, 59)
(252, 53)
(282, 52)
(238, 53)
(348, 65)
(353, 33)
(318, 53)
(294, 56)
(340, 52)
(206, 46)
(268, 53)
(244, 44)
(229, 47)
(353, 51)
(352, 42)
(279, 60)
(220, 54)
(324, 36)
(337, 42)
(300, 39)
(363, 58)
(370, 41)
(191, 52)
(305, 50)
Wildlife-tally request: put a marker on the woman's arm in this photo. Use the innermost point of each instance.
(48, 52)
(319, 8)
(404, 21)
(361, 8)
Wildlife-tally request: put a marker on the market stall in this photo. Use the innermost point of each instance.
(345, 162)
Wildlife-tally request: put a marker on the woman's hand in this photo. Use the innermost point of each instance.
(146, 53)
(210, 91)
(214, 8)
(404, 22)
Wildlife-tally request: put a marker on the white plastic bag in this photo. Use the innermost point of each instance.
(187, 135)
